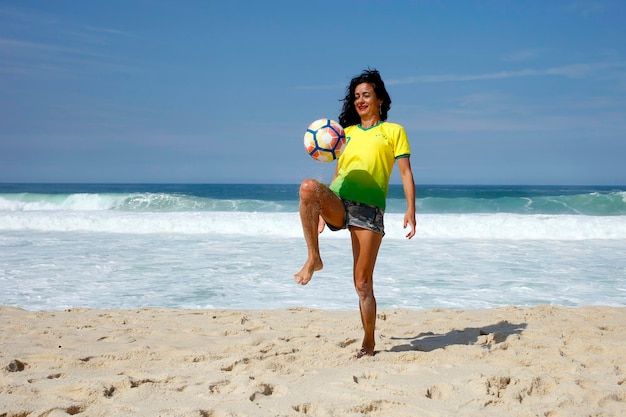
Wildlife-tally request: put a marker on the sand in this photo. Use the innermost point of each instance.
(539, 361)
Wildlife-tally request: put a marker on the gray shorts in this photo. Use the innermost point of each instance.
(363, 216)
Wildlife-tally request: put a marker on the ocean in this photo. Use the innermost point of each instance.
(237, 246)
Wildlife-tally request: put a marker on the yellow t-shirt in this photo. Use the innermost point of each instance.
(367, 161)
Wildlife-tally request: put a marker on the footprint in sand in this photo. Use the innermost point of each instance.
(265, 390)
(346, 343)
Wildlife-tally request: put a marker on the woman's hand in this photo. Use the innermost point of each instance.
(409, 220)
(408, 185)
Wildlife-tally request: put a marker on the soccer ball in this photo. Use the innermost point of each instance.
(324, 140)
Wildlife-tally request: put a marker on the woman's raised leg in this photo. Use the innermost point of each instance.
(316, 201)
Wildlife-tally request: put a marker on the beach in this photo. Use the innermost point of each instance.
(508, 361)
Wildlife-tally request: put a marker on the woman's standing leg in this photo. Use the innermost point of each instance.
(365, 245)
(316, 200)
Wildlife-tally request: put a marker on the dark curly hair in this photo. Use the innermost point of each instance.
(349, 115)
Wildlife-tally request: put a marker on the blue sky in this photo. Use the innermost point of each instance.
(490, 92)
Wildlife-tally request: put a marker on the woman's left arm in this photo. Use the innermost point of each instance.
(408, 185)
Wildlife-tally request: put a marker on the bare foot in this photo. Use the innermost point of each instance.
(365, 352)
(306, 273)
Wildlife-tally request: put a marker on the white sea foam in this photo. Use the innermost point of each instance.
(74, 202)
(446, 226)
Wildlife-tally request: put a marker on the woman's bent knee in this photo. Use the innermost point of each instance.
(309, 188)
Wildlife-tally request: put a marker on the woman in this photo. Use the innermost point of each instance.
(357, 195)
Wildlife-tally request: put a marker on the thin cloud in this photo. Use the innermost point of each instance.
(569, 71)
(19, 16)
(97, 36)
(457, 122)
(24, 57)
(57, 46)
(109, 31)
(21, 46)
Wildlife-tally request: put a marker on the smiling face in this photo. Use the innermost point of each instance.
(366, 102)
